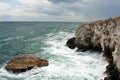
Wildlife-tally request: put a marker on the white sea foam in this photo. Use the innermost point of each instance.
(64, 63)
(11, 38)
(82, 65)
(3, 45)
(34, 39)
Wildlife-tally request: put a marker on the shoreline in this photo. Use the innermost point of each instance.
(101, 35)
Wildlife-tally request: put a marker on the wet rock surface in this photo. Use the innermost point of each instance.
(71, 43)
(25, 62)
(102, 35)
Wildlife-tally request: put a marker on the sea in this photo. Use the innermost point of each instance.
(47, 40)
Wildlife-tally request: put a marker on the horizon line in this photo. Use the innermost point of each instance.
(40, 21)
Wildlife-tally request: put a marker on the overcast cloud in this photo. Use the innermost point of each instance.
(58, 10)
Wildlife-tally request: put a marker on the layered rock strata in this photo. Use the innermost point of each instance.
(102, 35)
(24, 63)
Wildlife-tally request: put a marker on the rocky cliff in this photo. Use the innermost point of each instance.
(102, 35)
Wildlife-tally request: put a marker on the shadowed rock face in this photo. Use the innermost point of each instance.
(71, 43)
(24, 63)
(102, 35)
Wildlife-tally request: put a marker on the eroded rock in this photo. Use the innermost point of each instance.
(102, 35)
(24, 63)
(71, 43)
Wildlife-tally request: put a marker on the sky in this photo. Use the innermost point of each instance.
(58, 10)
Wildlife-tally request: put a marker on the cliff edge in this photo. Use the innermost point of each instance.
(102, 35)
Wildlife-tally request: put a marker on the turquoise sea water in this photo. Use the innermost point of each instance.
(47, 40)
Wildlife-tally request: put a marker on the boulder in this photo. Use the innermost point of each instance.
(71, 43)
(25, 62)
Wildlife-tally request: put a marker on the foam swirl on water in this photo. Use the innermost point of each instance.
(64, 63)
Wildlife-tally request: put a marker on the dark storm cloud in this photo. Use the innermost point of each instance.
(80, 10)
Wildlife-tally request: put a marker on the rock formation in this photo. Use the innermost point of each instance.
(71, 43)
(102, 35)
(24, 63)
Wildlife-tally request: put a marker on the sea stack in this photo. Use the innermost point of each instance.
(25, 62)
(102, 35)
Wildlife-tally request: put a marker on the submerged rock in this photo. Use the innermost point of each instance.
(24, 63)
(102, 35)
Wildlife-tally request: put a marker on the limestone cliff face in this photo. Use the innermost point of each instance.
(102, 35)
